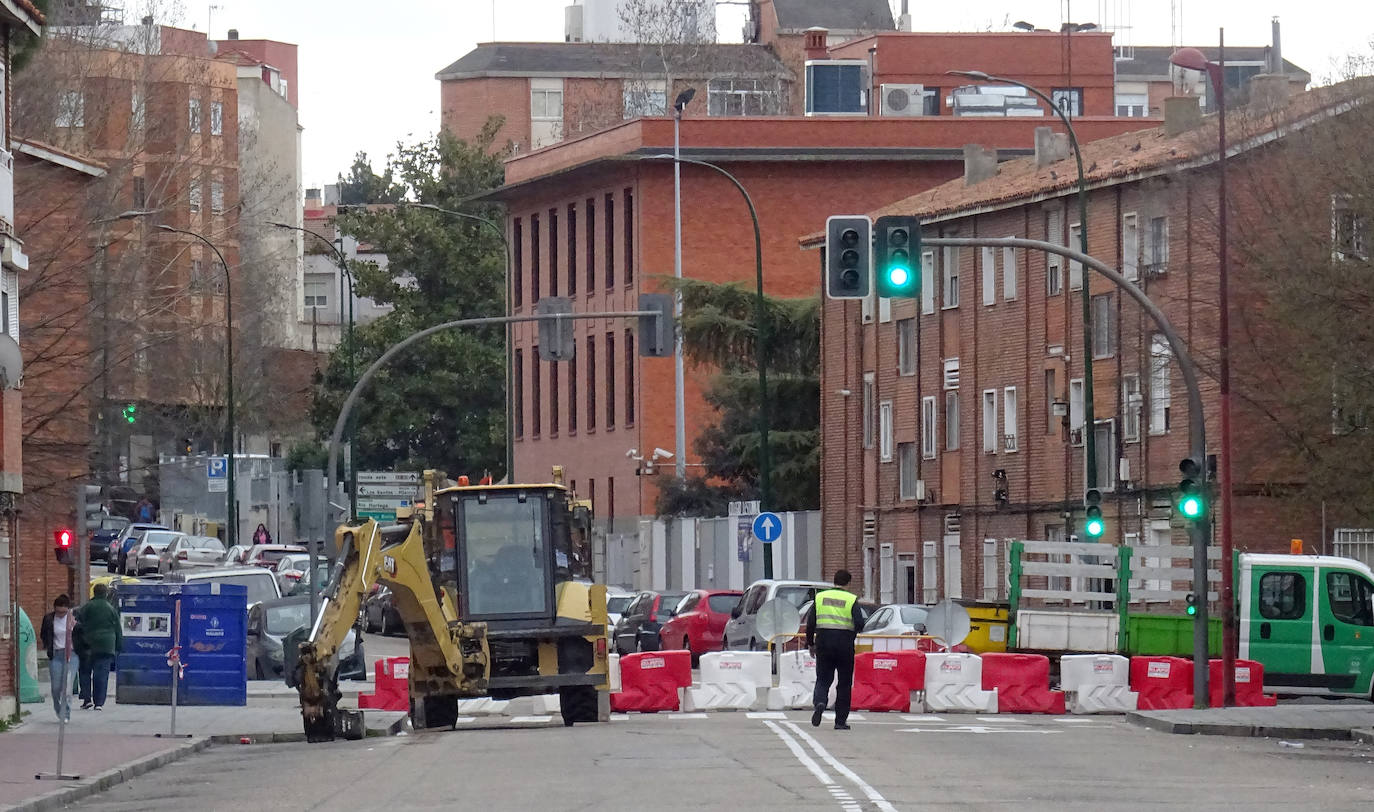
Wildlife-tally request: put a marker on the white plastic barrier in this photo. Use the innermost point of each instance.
(796, 682)
(483, 706)
(732, 680)
(539, 705)
(613, 673)
(1097, 683)
(954, 682)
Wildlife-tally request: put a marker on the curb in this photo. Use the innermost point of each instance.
(1243, 731)
(102, 781)
(1363, 735)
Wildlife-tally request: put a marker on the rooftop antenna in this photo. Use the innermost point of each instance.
(210, 21)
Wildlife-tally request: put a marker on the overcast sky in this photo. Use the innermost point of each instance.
(367, 67)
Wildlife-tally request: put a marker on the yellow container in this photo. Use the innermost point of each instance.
(989, 626)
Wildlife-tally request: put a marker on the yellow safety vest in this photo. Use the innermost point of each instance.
(835, 609)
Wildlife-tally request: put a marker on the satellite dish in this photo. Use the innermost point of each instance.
(11, 363)
(776, 617)
(949, 622)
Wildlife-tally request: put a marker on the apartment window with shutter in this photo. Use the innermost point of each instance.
(572, 249)
(536, 266)
(950, 278)
(216, 118)
(195, 115)
(1075, 267)
(1157, 246)
(591, 383)
(1054, 263)
(1076, 409)
(553, 252)
(610, 380)
(990, 421)
(1130, 246)
(610, 240)
(1160, 384)
(1051, 395)
(951, 373)
(555, 413)
(868, 407)
(573, 394)
(1010, 438)
(518, 275)
(1130, 408)
(1104, 326)
(591, 245)
(519, 398)
(885, 430)
(630, 377)
(1104, 449)
(536, 396)
(906, 471)
(1009, 274)
(989, 269)
(930, 566)
(991, 579)
(927, 282)
(928, 428)
(906, 346)
(193, 197)
(951, 421)
(628, 200)
(216, 197)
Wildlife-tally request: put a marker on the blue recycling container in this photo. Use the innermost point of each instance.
(213, 640)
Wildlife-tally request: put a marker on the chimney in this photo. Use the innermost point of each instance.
(233, 33)
(979, 164)
(1268, 92)
(1181, 114)
(904, 20)
(815, 42)
(1276, 51)
(1050, 147)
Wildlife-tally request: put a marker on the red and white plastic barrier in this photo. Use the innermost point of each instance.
(731, 680)
(796, 682)
(391, 686)
(1163, 683)
(1249, 685)
(885, 680)
(1097, 683)
(652, 681)
(1021, 683)
(954, 682)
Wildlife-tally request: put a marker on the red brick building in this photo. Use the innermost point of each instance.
(930, 407)
(592, 219)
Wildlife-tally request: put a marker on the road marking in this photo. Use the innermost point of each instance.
(527, 720)
(976, 729)
(872, 794)
(923, 718)
(1068, 720)
(688, 716)
(620, 717)
(765, 715)
(853, 717)
(838, 792)
(463, 720)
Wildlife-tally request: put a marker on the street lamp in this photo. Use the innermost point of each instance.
(352, 349)
(232, 498)
(679, 367)
(1193, 59)
(1089, 432)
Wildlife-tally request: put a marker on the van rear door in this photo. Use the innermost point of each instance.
(1347, 629)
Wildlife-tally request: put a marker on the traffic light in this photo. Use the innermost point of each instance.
(1192, 605)
(89, 507)
(656, 331)
(187, 446)
(896, 262)
(1092, 513)
(62, 539)
(130, 413)
(1192, 500)
(848, 256)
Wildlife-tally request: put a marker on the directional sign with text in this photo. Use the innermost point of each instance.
(767, 527)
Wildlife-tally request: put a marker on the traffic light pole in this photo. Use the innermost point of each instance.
(1199, 530)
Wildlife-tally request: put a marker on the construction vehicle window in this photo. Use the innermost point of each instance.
(1350, 598)
(504, 548)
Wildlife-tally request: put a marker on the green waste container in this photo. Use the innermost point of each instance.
(28, 661)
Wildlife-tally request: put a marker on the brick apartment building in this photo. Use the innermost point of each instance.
(592, 219)
(1144, 77)
(941, 433)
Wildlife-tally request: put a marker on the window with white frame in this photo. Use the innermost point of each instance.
(71, 109)
(928, 428)
(194, 115)
(990, 426)
(10, 307)
(1104, 326)
(1160, 384)
(1130, 408)
(927, 282)
(1104, 450)
(193, 196)
(1157, 245)
(906, 346)
(1009, 274)
(991, 577)
(1054, 263)
(950, 277)
(1075, 267)
(1132, 105)
(1076, 410)
(989, 269)
(546, 102)
(951, 373)
(1349, 230)
(645, 98)
(930, 567)
(216, 118)
(885, 430)
(868, 407)
(216, 197)
(952, 421)
(1010, 436)
(1068, 99)
(906, 471)
(743, 97)
(1130, 246)
(316, 294)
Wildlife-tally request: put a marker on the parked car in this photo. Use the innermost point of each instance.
(128, 537)
(145, 556)
(302, 586)
(190, 552)
(741, 631)
(616, 601)
(260, 583)
(698, 624)
(103, 534)
(272, 620)
(290, 569)
(867, 608)
(380, 613)
(267, 555)
(236, 555)
(637, 629)
(897, 618)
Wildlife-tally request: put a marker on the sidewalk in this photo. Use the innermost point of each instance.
(1338, 721)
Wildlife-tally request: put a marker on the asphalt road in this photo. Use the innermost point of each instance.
(767, 762)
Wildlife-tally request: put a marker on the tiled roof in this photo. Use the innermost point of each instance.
(1153, 60)
(1110, 160)
(834, 15)
(32, 10)
(605, 59)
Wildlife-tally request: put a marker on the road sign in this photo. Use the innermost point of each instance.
(398, 491)
(388, 478)
(382, 504)
(217, 474)
(377, 515)
(767, 526)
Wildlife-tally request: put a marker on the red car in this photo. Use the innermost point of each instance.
(699, 624)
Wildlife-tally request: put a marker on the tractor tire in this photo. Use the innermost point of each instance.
(437, 712)
(578, 703)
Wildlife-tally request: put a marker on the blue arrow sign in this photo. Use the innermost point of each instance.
(767, 526)
(217, 468)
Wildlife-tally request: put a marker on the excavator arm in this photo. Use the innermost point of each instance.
(449, 659)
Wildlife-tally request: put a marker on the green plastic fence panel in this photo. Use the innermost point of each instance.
(1168, 635)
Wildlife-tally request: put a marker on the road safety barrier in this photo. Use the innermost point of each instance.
(731, 680)
(1096, 683)
(613, 673)
(796, 681)
(1163, 683)
(1249, 685)
(887, 680)
(898, 642)
(1021, 682)
(391, 686)
(652, 681)
(954, 682)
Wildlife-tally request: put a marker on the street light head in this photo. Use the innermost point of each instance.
(975, 75)
(682, 98)
(1188, 58)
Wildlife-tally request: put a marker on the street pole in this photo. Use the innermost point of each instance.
(679, 367)
(1228, 602)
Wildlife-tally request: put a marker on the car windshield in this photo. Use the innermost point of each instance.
(615, 604)
(504, 553)
(271, 556)
(795, 595)
(259, 585)
(159, 540)
(208, 544)
(722, 603)
(913, 615)
(283, 620)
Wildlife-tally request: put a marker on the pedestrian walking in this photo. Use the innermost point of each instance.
(83, 665)
(831, 625)
(261, 536)
(104, 636)
(56, 633)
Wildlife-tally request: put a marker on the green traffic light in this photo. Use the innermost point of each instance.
(1094, 527)
(1190, 506)
(898, 276)
(130, 413)
(1192, 610)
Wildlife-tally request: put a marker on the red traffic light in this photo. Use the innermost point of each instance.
(63, 537)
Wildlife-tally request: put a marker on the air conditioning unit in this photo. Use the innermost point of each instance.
(920, 490)
(903, 100)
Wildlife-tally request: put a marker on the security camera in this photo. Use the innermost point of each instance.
(661, 454)
(632, 453)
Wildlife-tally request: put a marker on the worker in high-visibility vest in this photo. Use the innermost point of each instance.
(831, 624)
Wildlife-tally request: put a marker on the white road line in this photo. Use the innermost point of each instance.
(527, 720)
(688, 716)
(765, 715)
(807, 761)
(871, 793)
(922, 718)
